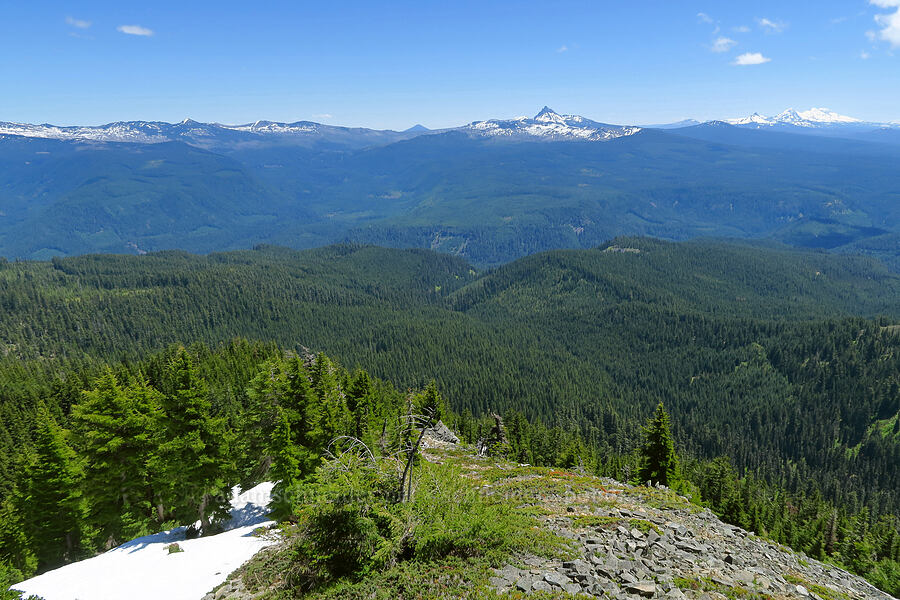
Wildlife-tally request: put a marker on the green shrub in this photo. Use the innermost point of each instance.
(350, 525)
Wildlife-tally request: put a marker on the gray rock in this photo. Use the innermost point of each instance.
(525, 584)
(541, 586)
(644, 588)
(556, 579)
(689, 546)
(572, 588)
(627, 577)
(441, 433)
(744, 576)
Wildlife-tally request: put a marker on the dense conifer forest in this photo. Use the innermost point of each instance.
(779, 371)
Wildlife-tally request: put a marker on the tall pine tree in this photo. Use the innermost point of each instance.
(659, 463)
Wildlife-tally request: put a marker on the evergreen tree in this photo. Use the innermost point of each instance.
(50, 501)
(330, 409)
(190, 461)
(114, 428)
(265, 393)
(429, 403)
(659, 461)
(287, 459)
(299, 404)
(359, 402)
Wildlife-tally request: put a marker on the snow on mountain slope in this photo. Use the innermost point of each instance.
(142, 569)
(194, 133)
(134, 131)
(814, 117)
(549, 125)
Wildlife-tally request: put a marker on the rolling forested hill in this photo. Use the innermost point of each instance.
(774, 357)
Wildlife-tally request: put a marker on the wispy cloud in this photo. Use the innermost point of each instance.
(134, 30)
(864, 55)
(79, 23)
(723, 44)
(889, 23)
(704, 18)
(771, 26)
(742, 29)
(562, 49)
(750, 58)
(323, 116)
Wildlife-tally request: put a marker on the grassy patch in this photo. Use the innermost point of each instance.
(641, 525)
(663, 499)
(704, 584)
(825, 592)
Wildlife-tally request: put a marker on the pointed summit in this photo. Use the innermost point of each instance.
(789, 116)
(417, 128)
(548, 115)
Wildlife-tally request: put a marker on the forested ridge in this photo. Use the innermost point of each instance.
(786, 362)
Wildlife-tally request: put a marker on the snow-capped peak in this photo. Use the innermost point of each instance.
(788, 116)
(814, 117)
(823, 115)
(548, 125)
(755, 118)
(548, 115)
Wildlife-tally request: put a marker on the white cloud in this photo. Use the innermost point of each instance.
(562, 49)
(889, 23)
(772, 26)
(742, 29)
(704, 18)
(864, 55)
(323, 116)
(79, 23)
(134, 30)
(750, 58)
(723, 44)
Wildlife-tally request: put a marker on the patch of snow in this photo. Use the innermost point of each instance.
(142, 569)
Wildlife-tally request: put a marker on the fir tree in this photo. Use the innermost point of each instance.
(113, 428)
(50, 503)
(359, 402)
(191, 456)
(429, 403)
(264, 395)
(287, 459)
(659, 461)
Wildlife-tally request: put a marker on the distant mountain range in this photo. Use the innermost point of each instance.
(547, 125)
(490, 190)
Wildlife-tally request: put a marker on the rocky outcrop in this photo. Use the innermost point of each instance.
(627, 549)
(440, 433)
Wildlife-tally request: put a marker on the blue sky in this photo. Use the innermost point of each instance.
(390, 65)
